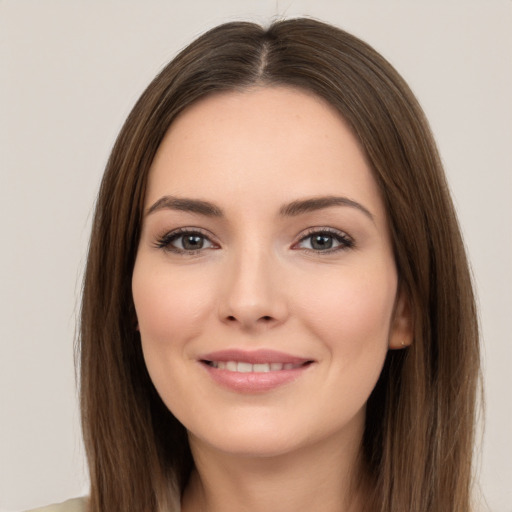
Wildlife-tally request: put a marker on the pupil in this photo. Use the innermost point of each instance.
(192, 242)
(321, 242)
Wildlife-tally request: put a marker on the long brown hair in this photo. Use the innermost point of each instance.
(419, 432)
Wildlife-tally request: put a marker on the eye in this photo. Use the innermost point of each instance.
(185, 241)
(325, 240)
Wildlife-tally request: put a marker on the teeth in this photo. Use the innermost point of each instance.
(261, 368)
(243, 367)
(231, 366)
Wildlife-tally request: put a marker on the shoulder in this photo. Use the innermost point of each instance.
(74, 505)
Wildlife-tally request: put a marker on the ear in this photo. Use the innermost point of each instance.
(402, 325)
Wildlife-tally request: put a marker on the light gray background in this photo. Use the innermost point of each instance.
(70, 72)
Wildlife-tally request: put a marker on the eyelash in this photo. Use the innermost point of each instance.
(345, 241)
(164, 242)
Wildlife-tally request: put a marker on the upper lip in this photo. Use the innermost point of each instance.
(253, 356)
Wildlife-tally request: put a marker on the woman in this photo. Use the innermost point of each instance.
(277, 310)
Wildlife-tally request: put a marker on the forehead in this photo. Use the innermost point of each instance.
(265, 143)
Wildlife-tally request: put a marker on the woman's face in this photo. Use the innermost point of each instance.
(265, 285)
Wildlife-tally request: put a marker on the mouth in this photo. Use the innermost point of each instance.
(246, 367)
(254, 371)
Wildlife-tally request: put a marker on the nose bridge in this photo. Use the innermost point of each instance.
(253, 295)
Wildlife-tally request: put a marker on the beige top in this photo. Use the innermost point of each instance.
(74, 505)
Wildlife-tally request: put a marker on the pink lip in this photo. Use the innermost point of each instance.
(253, 357)
(254, 382)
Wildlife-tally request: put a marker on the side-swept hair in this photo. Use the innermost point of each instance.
(418, 438)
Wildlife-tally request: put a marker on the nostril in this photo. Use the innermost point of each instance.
(249, 319)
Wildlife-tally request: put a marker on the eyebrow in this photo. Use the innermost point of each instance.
(318, 203)
(186, 205)
(292, 209)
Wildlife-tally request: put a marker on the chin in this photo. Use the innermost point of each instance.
(261, 445)
(277, 437)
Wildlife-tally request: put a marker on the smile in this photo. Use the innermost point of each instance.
(244, 367)
(257, 371)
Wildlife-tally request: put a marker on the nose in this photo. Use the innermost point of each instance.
(254, 295)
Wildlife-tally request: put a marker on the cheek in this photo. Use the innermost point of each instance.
(352, 312)
(170, 306)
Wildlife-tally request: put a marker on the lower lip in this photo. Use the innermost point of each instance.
(254, 382)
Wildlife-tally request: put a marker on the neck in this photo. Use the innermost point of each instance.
(326, 477)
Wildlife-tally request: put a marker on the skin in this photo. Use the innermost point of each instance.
(259, 281)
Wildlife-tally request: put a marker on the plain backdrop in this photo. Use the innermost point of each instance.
(70, 71)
